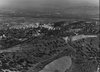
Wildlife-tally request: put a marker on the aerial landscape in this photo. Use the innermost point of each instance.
(49, 36)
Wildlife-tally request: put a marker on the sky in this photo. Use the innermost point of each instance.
(4, 3)
(75, 7)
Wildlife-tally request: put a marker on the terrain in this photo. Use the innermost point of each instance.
(57, 36)
(28, 46)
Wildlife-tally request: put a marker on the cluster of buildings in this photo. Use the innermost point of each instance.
(32, 25)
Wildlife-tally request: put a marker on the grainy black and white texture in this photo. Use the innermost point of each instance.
(36, 33)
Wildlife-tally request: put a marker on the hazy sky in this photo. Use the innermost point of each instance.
(43, 2)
